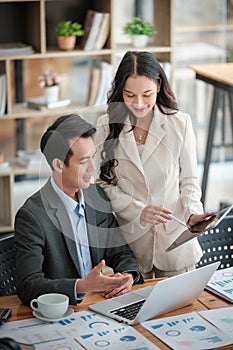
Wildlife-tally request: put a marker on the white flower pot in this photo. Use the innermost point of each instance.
(51, 93)
(140, 40)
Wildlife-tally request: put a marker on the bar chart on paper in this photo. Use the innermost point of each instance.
(221, 283)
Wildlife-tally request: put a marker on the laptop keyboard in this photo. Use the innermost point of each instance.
(129, 311)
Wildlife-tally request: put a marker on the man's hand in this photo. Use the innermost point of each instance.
(122, 289)
(110, 285)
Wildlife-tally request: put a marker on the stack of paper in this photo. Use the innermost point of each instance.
(18, 48)
(40, 103)
(32, 159)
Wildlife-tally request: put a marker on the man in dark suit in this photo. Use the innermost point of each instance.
(66, 234)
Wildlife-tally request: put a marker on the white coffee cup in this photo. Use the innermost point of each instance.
(52, 305)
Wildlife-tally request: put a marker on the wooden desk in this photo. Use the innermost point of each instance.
(205, 301)
(219, 75)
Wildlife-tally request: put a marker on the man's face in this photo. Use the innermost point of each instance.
(78, 174)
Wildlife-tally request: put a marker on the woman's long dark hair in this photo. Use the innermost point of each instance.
(133, 63)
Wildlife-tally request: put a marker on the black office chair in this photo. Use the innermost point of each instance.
(217, 244)
(7, 265)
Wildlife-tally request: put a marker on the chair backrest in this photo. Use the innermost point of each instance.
(7, 265)
(217, 244)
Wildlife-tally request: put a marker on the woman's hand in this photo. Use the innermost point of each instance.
(196, 218)
(154, 215)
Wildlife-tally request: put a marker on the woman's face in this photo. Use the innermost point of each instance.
(139, 94)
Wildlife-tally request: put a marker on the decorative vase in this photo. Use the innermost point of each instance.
(140, 40)
(66, 42)
(51, 93)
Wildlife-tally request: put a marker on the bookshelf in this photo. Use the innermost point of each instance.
(32, 22)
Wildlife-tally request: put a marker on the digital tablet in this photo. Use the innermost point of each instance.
(199, 228)
(212, 222)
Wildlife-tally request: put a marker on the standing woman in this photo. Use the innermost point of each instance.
(148, 166)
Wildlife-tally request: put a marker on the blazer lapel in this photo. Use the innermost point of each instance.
(58, 215)
(128, 146)
(155, 135)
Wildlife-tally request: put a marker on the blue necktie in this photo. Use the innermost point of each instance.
(82, 242)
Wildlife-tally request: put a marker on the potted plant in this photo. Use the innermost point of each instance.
(140, 31)
(50, 81)
(67, 31)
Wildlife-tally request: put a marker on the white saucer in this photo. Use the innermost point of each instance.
(68, 313)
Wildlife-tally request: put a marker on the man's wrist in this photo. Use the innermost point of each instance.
(136, 275)
(78, 295)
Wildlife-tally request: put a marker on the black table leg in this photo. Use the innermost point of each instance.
(209, 145)
(231, 110)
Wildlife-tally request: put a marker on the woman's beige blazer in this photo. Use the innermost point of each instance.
(164, 175)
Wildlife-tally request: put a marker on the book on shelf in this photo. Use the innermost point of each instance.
(5, 167)
(105, 83)
(40, 103)
(221, 283)
(15, 48)
(31, 159)
(96, 27)
(87, 27)
(94, 82)
(168, 70)
(2, 94)
(167, 67)
(96, 20)
(103, 32)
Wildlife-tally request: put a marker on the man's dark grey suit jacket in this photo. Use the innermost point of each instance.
(46, 255)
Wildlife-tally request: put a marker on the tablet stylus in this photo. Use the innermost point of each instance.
(178, 220)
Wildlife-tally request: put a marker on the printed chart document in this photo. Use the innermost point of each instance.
(221, 318)
(83, 330)
(221, 284)
(188, 331)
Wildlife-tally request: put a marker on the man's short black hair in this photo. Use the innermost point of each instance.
(55, 141)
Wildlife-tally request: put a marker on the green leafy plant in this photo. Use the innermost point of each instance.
(138, 27)
(69, 28)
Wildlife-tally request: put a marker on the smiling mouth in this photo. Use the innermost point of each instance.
(139, 109)
(87, 178)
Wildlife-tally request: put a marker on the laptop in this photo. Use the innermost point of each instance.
(199, 228)
(166, 295)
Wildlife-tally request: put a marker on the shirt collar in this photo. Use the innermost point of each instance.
(69, 202)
